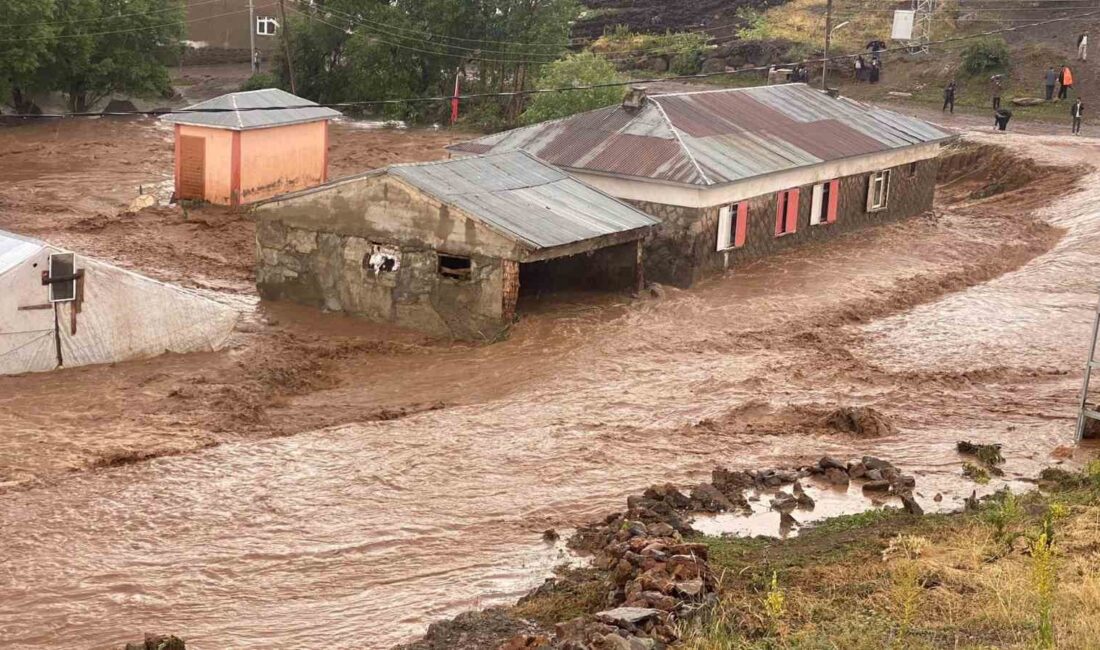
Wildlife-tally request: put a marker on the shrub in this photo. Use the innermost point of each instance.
(259, 81)
(986, 55)
(585, 69)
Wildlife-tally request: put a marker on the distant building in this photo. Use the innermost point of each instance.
(218, 30)
(449, 248)
(740, 173)
(248, 148)
(62, 309)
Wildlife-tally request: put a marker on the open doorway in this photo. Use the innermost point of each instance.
(608, 269)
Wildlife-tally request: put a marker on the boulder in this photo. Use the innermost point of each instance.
(715, 65)
(857, 470)
(861, 421)
(836, 476)
(828, 462)
(876, 486)
(708, 498)
(910, 504)
(628, 617)
(870, 462)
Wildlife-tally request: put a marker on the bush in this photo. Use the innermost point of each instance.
(585, 69)
(259, 81)
(985, 55)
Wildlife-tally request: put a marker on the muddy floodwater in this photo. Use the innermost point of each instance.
(358, 532)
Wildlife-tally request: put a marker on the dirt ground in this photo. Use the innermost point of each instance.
(326, 479)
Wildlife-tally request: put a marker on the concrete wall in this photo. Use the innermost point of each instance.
(218, 173)
(684, 249)
(315, 248)
(224, 25)
(282, 159)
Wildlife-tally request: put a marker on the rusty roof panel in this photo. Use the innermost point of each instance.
(730, 135)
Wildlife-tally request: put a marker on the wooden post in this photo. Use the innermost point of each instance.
(639, 268)
(286, 47)
(828, 36)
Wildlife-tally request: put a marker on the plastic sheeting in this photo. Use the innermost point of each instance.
(123, 316)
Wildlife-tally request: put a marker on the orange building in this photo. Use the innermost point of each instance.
(247, 146)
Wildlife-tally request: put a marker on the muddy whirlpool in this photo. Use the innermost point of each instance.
(967, 325)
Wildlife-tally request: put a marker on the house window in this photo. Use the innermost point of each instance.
(786, 212)
(266, 26)
(826, 200)
(912, 169)
(62, 265)
(454, 266)
(878, 191)
(732, 224)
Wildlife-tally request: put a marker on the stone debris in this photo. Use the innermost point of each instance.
(860, 421)
(158, 642)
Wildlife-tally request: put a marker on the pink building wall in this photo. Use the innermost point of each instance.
(218, 164)
(282, 159)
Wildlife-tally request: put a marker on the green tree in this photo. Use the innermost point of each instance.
(104, 47)
(26, 36)
(585, 69)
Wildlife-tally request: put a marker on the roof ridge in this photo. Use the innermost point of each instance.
(680, 141)
(236, 109)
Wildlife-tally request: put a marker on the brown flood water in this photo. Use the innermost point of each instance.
(359, 535)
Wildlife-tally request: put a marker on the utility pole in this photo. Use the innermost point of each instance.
(286, 46)
(252, 35)
(828, 35)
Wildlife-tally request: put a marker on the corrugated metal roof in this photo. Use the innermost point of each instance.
(230, 115)
(15, 249)
(523, 198)
(716, 136)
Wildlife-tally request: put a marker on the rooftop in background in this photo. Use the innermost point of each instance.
(241, 120)
(518, 196)
(715, 136)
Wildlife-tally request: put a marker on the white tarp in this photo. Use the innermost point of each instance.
(903, 25)
(123, 315)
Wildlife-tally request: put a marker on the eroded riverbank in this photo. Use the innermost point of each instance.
(370, 530)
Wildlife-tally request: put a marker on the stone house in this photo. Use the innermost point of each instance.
(735, 174)
(450, 247)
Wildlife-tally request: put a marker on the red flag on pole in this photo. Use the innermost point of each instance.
(454, 101)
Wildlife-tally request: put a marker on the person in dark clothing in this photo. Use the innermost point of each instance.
(861, 68)
(1077, 111)
(874, 73)
(876, 48)
(949, 96)
(1050, 79)
(1001, 118)
(996, 86)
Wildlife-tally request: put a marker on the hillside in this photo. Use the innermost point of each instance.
(718, 17)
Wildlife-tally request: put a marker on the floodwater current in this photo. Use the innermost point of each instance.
(361, 535)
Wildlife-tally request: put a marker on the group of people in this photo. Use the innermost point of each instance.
(872, 70)
(1063, 78)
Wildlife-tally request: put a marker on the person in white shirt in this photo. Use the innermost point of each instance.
(1082, 47)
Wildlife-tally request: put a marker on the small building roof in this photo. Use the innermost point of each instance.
(15, 249)
(715, 136)
(253, 109)
(519, 196)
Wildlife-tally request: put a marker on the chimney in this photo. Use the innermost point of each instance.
(635, 99)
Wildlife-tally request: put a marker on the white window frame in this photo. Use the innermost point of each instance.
(70, 295)
(878, 191)
(727, 224)
(817, 216)
(263, 23)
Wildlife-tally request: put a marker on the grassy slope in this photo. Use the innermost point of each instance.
(882, 580)
(924, 76)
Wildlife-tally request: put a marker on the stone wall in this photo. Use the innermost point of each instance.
(370, 247)
(683, 250)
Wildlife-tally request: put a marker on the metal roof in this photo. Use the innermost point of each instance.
(525, 199)
(715, 136)
(230, 115)
(15, 249)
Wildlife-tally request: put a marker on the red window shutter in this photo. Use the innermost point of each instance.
(742, 224)
(834, 201)
(792, 210)
(779, 215)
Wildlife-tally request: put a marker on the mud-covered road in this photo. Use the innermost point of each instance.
(399, 480)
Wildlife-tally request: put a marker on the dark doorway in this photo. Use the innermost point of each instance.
(605, 269)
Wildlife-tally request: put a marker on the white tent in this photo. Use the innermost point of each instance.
(118, 315)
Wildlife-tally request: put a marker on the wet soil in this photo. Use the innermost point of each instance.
(420, 475)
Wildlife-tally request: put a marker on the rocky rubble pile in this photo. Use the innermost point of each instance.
(157, 642)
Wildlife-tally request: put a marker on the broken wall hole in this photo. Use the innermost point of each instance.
(382, 259)
(455, 266)
(606, 269)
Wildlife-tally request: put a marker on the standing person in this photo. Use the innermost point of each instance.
(1077, 111)
(860, 65)
(949, 97)
(1066, 79)
(1001, 118)
(874, 72)
(1082, 47)
(1050, 79)
(996, 84)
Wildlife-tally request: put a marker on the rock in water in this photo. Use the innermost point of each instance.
(910, 504)
(862, 421)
